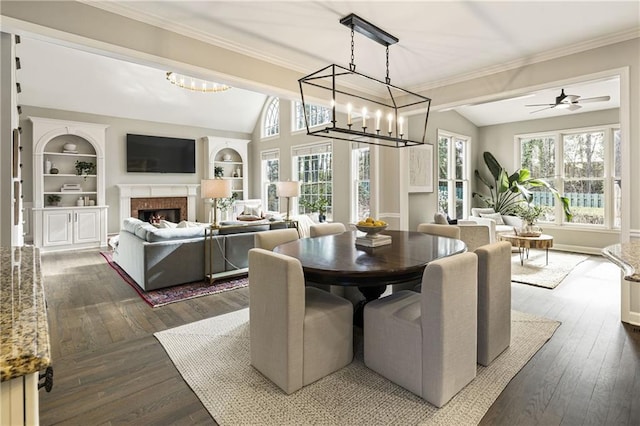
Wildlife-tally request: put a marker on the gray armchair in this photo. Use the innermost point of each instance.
(426, 342)
(298, 334)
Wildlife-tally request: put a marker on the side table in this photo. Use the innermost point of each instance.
(525, 243)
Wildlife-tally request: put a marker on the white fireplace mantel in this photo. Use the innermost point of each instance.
(127, 192)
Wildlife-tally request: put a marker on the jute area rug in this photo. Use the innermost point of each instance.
(536, 272)
(212, 356)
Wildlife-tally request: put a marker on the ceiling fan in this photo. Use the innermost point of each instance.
(570, 102)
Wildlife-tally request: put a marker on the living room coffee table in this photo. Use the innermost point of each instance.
(542, 241)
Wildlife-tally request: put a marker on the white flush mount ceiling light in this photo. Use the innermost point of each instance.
(376, 111)
(195, 84)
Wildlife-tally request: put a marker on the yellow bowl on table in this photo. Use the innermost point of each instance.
(371, 230)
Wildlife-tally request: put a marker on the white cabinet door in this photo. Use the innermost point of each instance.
(57, 227)
(86, 226)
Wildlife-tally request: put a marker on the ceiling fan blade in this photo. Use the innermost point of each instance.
(538, 110)
(596, 99)
(534, 105)
(573, 107)
(571, 98)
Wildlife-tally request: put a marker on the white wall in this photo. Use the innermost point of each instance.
(115, 158)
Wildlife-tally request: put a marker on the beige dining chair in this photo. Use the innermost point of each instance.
(494, 300)
(320, 229)
(298, 334)
(450, 231)
(426, 342)
(268, 240)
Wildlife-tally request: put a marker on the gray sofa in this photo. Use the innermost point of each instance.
(157, 258)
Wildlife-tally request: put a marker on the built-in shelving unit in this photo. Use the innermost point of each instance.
(231, 155)
(79, 218)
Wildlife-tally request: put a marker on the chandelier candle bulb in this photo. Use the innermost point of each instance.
(390, 118)
(401, 122)
(364, 118)
(349, 108)
(378, 116)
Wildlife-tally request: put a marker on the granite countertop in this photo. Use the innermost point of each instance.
(24, 331)
(627, 257)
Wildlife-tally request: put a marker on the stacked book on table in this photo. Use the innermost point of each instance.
(373, 240)
(71, 187)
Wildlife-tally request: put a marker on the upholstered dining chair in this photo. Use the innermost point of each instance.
(450, 231)
(494, 300)
(326, 229)
(269, 239)
(426, 342)
(318, 230)
(298, 334)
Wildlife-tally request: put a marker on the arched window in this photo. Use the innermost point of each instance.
(272, 119)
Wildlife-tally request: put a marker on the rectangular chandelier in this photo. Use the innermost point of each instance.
(375, 112)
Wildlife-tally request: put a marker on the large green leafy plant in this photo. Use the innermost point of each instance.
(507, 192)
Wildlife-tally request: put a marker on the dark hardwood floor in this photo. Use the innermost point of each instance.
(110, 370)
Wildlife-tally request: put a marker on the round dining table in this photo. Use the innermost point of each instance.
(337, 260)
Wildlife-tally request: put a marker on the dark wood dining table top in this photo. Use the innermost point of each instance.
(336, 259)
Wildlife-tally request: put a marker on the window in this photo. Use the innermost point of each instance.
(270, 175)
(589, 173)
(272, 119)
(361, 190)
(312, 165)
(453, 175)
(538, 155)
(317, 115)
(584, 176)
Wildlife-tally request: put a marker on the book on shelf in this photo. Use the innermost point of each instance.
(373, 241)
(70, 189)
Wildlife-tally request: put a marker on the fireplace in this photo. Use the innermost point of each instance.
(134, 197)
(173, 209)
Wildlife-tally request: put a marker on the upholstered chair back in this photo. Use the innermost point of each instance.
(268, 240)
(326, 229)
(298, 334)
(449, 231)
(494, 300)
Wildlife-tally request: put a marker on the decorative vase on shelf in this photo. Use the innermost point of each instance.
(238, 171)
(47, 166)
(54, 170)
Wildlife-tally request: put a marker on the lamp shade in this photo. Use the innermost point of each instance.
(288, 189)
(215, 188)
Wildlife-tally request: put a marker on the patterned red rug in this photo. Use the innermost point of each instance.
(178, 293)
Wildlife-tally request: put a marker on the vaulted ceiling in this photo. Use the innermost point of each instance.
(440, 42)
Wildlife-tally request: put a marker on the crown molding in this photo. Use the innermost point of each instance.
(540, 57)
(151, 19)
(157, 21)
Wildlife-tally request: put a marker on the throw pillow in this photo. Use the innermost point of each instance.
(253, 210)
(248, 217)
(452, 221)
(440, 219)
(475, 211)
(495, 216)
(166, 224)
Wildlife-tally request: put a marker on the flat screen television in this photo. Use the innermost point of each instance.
(157, 154)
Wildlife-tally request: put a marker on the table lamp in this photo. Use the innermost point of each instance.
(288, 189)
(214, 189)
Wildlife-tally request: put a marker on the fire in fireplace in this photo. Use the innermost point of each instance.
(155, 215)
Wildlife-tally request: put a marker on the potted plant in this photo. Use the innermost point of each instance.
(218, 171)
(225, 204)
(508, 191)
(85, 168)
(54, 200)
(529, 214)
(319, 206)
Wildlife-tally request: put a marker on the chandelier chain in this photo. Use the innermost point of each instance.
(352, 65)
(387, 79)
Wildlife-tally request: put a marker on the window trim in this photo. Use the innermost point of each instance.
(307, 149)
(559, 177)
(294, 110)
(263, 181)
(353, 213)
(466, 195)
(265, 115)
